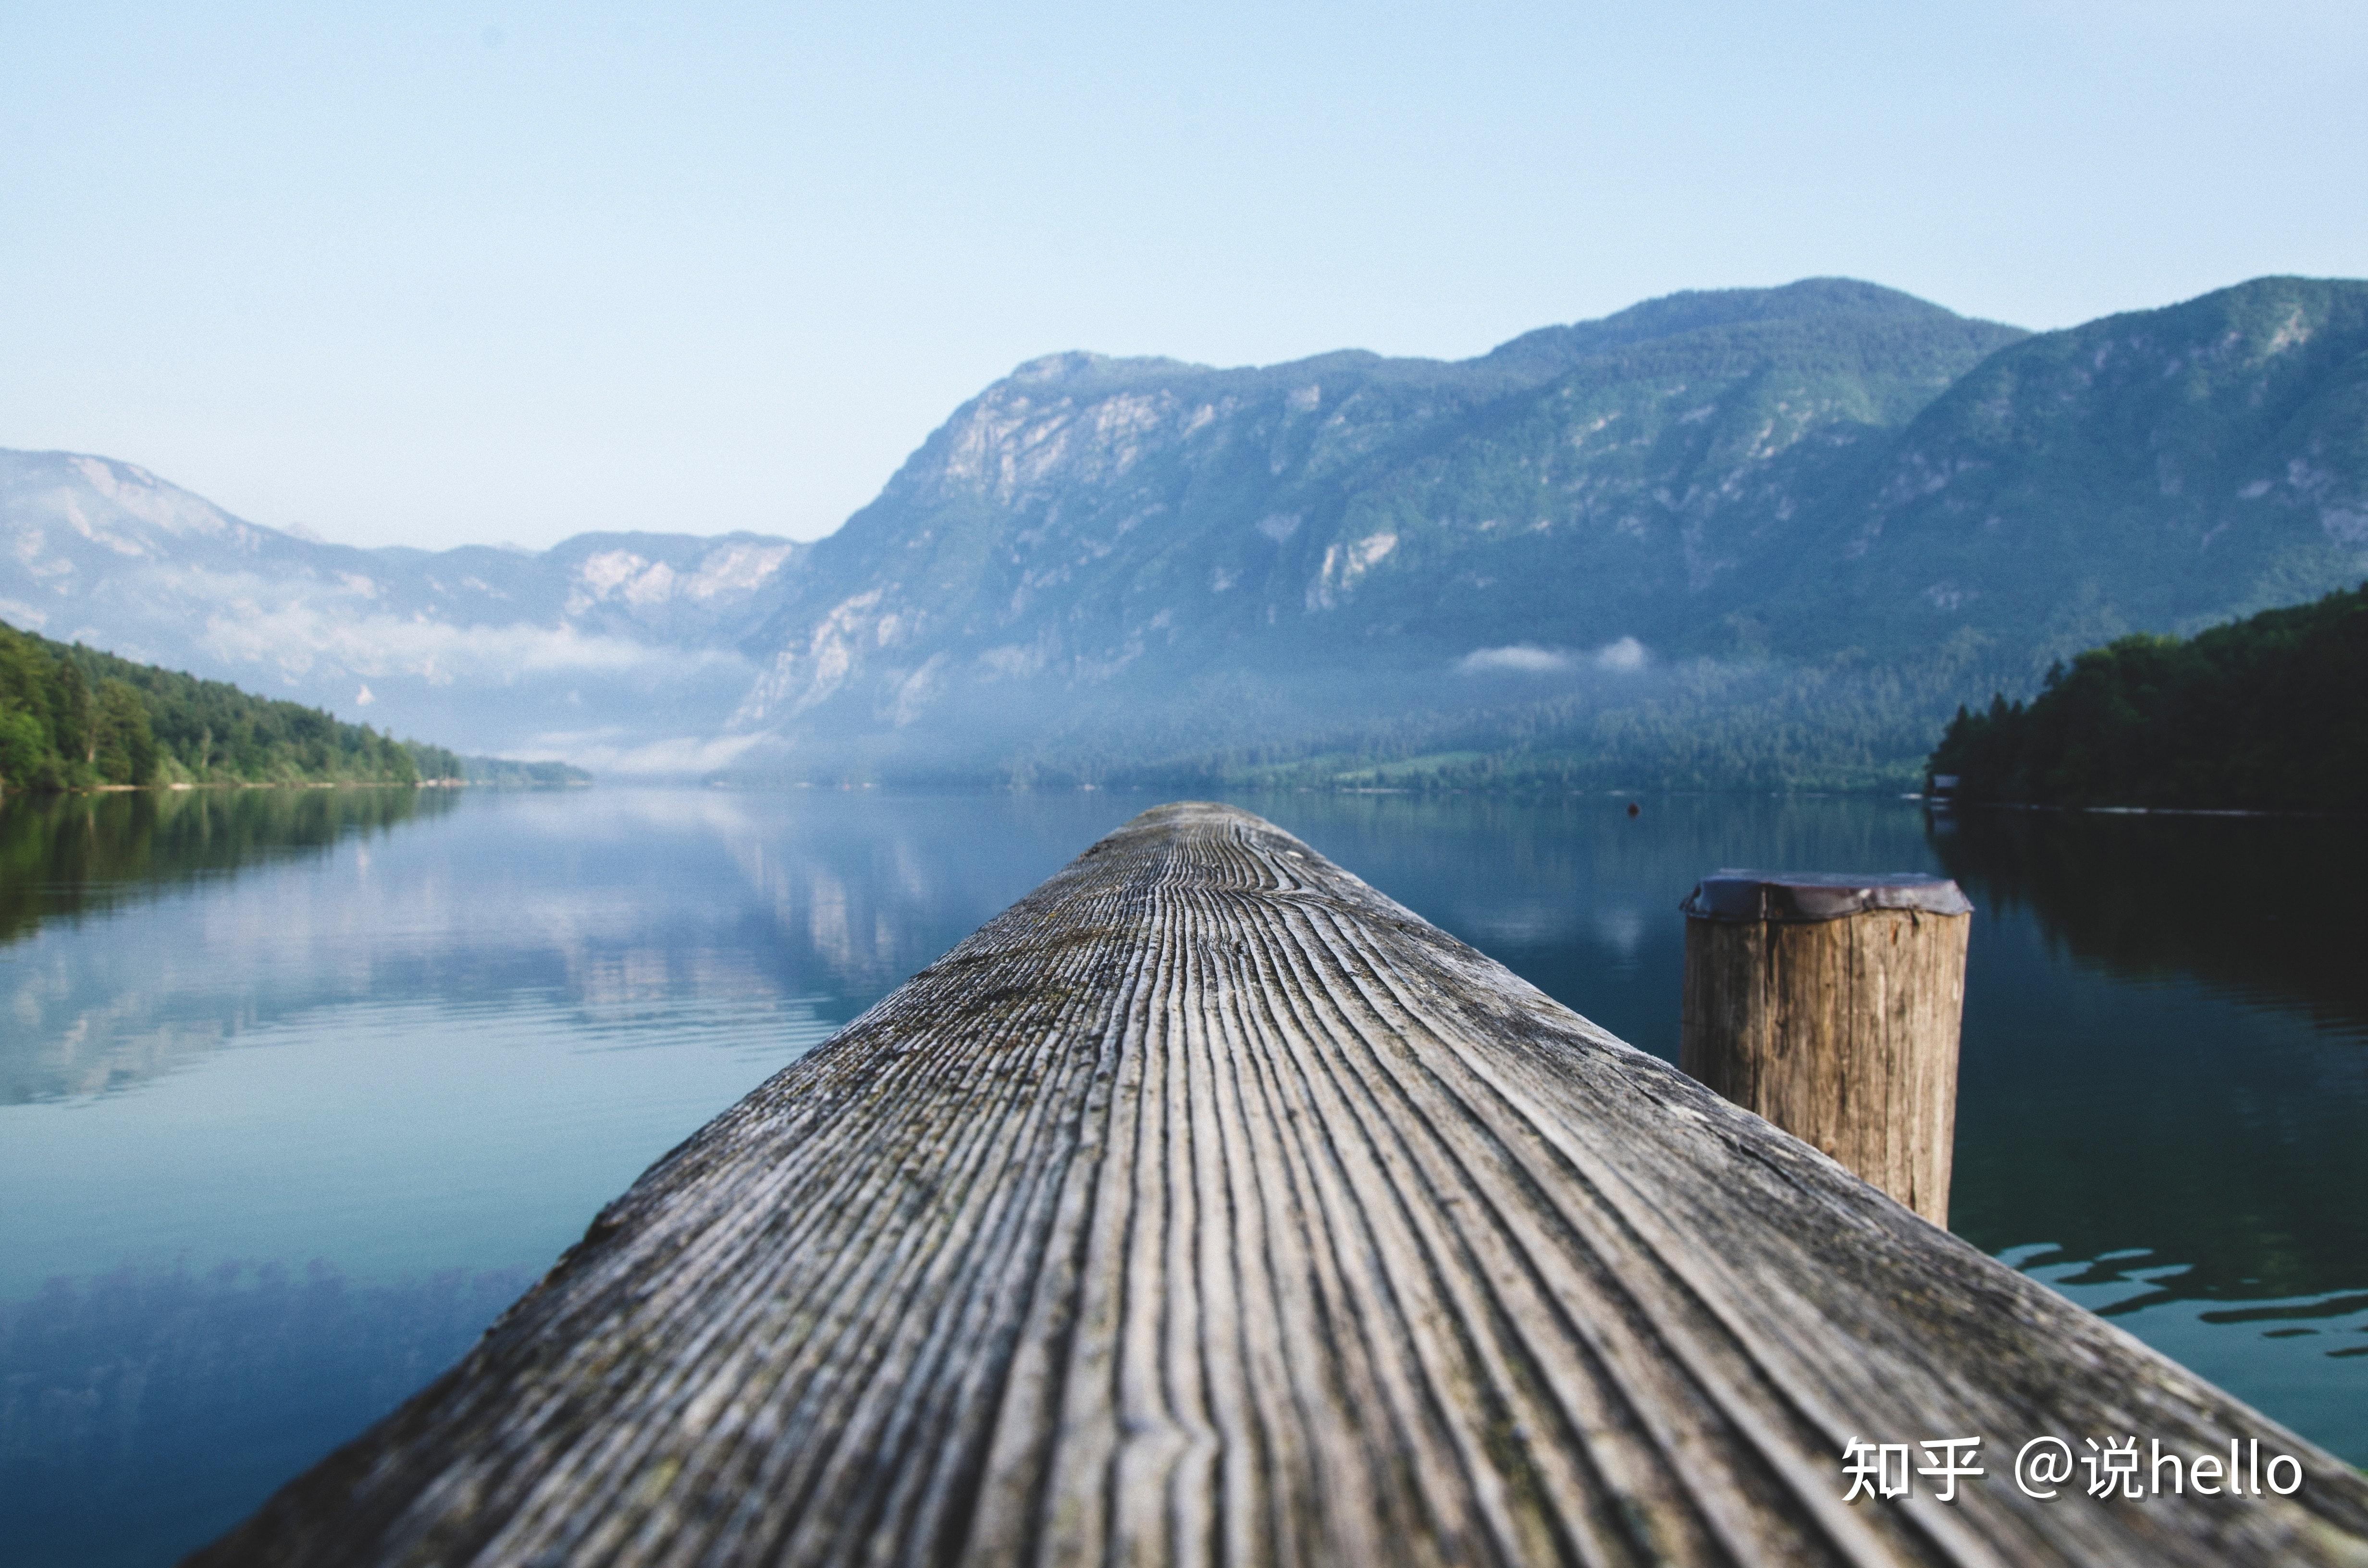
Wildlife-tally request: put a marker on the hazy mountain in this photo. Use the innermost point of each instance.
(1752, 536)
(2157, 470)
(604, 644)
(1097, 531)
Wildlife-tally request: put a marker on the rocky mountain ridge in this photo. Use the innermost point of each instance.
(1748, 536)
(1831, 502)
(1085, 514)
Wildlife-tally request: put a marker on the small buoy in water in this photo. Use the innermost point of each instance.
(1634, 810)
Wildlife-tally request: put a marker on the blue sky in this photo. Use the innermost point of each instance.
(435, 274)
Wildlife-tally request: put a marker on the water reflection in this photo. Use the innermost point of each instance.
(617, 909)
(2163, 1102)
(2193, 1083)
(69, 855)
(420, 1039)
(2265, 909)
(142, 1407)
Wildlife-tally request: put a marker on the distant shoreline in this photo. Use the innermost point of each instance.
(179, 787)
(1949, 803)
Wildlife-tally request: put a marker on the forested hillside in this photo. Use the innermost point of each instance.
(502, 773)
(1751, 539)
(2268, 714)
(72, 718)
(1093, 530)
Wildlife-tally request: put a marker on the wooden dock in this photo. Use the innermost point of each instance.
(1208, 1206)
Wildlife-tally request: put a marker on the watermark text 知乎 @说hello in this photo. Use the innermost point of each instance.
(2046, 1468)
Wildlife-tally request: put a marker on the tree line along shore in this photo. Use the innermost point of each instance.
(73, 718)
(2266, 714)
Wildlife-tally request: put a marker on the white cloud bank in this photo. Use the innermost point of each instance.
(614, 752)
(1624, 656)
(298, 638)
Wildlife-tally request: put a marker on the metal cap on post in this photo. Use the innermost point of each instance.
(1829, 1004)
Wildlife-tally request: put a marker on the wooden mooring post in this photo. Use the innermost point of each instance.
(1830, 1003)
(1207, 1207)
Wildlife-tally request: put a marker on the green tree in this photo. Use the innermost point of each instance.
(28, 761)
(72, 717)
(123, 744)
(2268, 714)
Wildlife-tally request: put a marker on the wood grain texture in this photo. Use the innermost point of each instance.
(1207, 1207)
(1842, 1032)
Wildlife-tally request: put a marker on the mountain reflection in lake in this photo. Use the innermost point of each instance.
(65, 855)
(298, 1088)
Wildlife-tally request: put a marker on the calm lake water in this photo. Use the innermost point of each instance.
(299, 1089)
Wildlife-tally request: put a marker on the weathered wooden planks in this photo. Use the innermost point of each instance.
(1830, 1006)
(1208, 1206)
